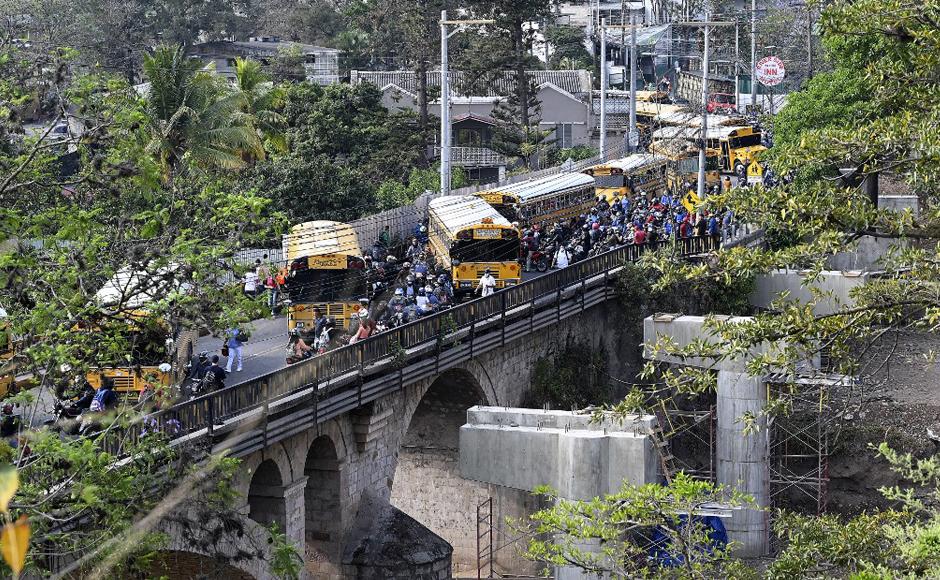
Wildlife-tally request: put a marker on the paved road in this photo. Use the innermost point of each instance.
(264, 352)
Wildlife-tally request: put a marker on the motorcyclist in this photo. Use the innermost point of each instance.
(297, 349)
(323, 340)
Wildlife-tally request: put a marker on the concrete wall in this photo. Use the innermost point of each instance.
(866, 255)
(525, 448)
(836, 288)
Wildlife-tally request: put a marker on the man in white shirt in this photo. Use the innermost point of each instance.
(251, 283)
(487, 284)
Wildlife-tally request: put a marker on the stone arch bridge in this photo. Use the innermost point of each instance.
(354, 453)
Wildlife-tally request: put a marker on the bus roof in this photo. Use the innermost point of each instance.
(674, 148)
(529, 190)
(629, 163)
(319, 238)
(654, 109)
(134, 289)
(457, 212)
(695, 132)
(688, 118)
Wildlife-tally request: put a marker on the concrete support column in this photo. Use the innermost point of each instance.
(294, 525)
(743, 460)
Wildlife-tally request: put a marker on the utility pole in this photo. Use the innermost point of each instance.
(623, 44)
(701, 151)
(753, 52)
(737, 68)
(603, 143)
(445, 95)
(633, 139)
(706, 25)
(445, 109)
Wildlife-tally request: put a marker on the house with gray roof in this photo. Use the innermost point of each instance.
(321, 64)
(564, 95)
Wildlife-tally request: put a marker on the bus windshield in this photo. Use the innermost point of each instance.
(608, 180)
(326, 285)
(485, 250)
(744, 141)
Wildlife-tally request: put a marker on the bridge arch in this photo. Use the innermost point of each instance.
(266, 504)
(427, 483)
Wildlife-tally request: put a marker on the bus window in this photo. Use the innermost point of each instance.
(485, 251)
(310, 285)
(744, 141)
(608, 181)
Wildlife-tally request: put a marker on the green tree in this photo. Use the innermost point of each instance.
(261, 101)
(62, 237)
(507, 44)
(394, 193)
(193, 116)
(342, 143)
(567, 45)
(623, 523)
(515, 139)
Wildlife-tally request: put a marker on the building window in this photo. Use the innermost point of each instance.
(563, 135)
(469, 138)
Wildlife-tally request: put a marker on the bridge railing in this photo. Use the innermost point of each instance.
(206, 411)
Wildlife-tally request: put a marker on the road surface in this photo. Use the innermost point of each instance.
(265, 350)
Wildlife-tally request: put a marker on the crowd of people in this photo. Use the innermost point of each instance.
(610, 224)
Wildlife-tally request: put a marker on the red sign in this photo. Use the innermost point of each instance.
(770, 71)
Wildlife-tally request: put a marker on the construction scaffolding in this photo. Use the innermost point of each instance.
(799, 439)
(686, 439)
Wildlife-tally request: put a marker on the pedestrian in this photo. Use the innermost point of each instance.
(236, 339)
(487, 284)
(251, 283)
(385, 238)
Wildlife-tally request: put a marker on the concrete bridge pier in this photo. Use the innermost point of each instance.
(743, 461)
(743, 458)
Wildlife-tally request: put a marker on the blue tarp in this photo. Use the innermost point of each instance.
(659, 544)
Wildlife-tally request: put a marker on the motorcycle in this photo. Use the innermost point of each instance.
(541, 261)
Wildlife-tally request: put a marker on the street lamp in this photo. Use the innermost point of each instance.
(445, 94)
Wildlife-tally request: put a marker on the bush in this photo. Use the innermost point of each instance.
(574, 378)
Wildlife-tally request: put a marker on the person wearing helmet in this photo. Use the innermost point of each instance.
(297, 348)
(487, 284)
(413, 250)
(421, 301)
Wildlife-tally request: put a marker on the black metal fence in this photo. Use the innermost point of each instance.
(209, 410)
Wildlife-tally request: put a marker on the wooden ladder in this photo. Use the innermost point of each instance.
(666, 459)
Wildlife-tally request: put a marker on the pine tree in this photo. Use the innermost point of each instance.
(515, 137)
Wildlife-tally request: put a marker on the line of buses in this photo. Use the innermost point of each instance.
(472, 233)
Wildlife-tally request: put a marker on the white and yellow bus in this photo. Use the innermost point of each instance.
(738, 146)
(630, 175)
(542, 201)
(468, 236)
(326, 272)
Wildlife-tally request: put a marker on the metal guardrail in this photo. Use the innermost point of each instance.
(348, 377)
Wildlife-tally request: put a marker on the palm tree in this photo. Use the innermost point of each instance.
(194, 117)
(261, 101)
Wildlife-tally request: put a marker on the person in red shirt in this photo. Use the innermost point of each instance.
(639, 236)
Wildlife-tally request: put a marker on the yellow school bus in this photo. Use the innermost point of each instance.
(157, 353)
(468, 236)
(630, 175)
(737, 147)
(542, 201)
(683, 162)
(326, 272)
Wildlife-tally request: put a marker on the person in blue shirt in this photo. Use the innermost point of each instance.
(235, 342)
